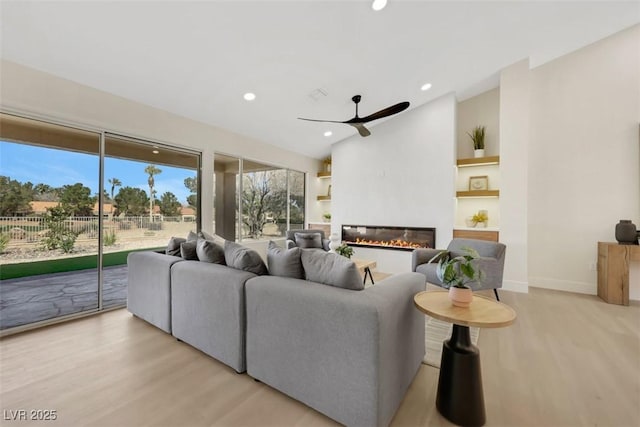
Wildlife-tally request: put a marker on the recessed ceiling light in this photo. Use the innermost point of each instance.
(378, 4)
(426, 86)
(155, 151)
(249, 96)
(328, 133)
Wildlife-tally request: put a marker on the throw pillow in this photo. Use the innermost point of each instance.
(284, 262)
(188, 250)
(192, 236)
(308, 240)
(331, 269)
(173, 248)
(212, 237)
(209, 251)
(242, 258)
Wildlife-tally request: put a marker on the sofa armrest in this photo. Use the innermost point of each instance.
(290, 244)
(349, 354)
(423, 256)
(492, 270)
(149, 287)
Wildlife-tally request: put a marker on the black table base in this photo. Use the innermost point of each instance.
(460, 398)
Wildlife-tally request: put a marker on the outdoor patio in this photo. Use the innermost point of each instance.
(35, 298)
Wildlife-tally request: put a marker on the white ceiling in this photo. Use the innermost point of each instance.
(197, 59)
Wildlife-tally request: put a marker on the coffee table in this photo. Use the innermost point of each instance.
(365, 266)
(460, 398)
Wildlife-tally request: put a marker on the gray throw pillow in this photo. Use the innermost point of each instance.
(209, 251)
(242, 258)
(284, 262)
(173, 248)
(188, 250)
(308, 240)
(192, 236)
(331, 269)
(212, 237)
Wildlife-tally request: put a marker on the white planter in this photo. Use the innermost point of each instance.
(334, 243)
(478, 153)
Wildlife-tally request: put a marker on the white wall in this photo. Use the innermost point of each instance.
(481, 110)
(401, 175)
(33, 92)
(583, 158)
(514, 144)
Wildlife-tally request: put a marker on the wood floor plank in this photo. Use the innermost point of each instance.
(569, 360)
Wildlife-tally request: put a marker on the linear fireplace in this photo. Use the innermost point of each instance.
(387, 237)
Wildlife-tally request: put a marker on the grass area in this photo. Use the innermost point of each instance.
(25, 269)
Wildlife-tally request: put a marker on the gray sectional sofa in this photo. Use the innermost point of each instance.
(349, 354)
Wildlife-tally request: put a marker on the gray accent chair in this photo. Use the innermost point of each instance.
(491, 262)
(291, 238)
(149, 287)
(348, 354)
(208, 310)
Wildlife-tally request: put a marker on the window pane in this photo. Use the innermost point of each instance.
(150, 196)
(49, 222)
(296, 200)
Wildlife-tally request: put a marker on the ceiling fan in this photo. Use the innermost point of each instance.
(358, 122)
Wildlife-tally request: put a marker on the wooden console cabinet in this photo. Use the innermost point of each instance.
(613, 271)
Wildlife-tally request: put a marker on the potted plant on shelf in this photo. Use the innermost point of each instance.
(326, 217)
(477, 136)
(456, 273)
(345, 250)
(480, 219)
(327, 163)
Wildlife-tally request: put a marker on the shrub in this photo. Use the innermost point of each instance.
(109, 238)
(58, 234)
(4, 241)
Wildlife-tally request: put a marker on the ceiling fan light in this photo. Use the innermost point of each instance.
(378, 4)
(426, 86)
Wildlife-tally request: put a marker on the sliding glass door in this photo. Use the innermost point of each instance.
(73, 205)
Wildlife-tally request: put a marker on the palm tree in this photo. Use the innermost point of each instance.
(151, 170)
(115, 182)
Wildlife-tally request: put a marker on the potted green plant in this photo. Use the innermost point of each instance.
(477, 136)
(456, 273)
(326, 217)
(344, 250)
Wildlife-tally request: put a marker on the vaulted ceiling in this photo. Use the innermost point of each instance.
(300, 58)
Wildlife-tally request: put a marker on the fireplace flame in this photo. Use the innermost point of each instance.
(392, 243)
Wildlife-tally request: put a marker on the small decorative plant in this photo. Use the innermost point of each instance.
(344, 250)
(326, 216)
(477, 136)
(480, 217)
(457, 271)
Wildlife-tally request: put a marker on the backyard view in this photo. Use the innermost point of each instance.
(51, 218)
(65, 236)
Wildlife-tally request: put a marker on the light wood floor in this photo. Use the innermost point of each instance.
(569, 360)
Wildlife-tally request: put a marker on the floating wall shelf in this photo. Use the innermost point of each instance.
(324, 198)
(478, 193)
(479, 161)
(324, 175)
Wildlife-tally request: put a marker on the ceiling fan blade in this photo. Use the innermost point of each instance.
(324, 121)
(389, 111)
(363, 131)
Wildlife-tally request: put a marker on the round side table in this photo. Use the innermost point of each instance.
(460, 398)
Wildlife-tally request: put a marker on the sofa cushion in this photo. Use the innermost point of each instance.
(209, 251)
(284, 262)
(331, 269)
(192, 236)
(213, 237)
(242, 258)
(188, 250)
(308, 240)
(173, 248)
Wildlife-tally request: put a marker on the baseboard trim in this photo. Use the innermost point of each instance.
(564, 285)
(515, 286)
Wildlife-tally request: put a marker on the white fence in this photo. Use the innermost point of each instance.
(33, 229)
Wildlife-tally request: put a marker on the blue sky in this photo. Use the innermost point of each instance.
(59, 167)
